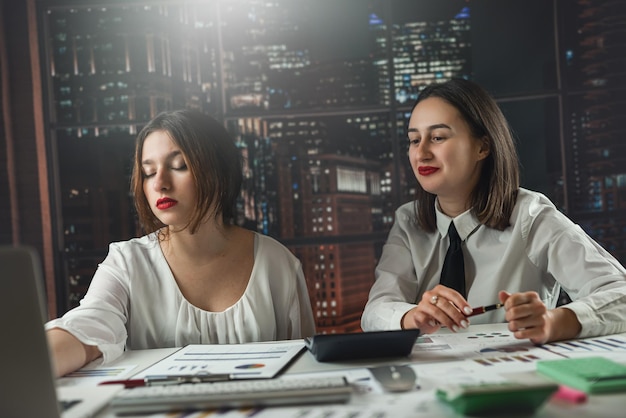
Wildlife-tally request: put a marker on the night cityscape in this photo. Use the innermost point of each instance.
(317, 96)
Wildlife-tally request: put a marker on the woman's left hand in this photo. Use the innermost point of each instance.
(528, 316)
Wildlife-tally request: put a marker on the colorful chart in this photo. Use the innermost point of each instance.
(250, 366)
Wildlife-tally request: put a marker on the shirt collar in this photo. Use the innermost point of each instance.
(465, 223)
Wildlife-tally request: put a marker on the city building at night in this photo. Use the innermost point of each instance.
(317, 97)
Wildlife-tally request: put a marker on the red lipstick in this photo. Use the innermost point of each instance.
(165, 203)
(426, 170)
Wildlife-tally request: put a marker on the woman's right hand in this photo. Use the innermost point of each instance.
(439, 307)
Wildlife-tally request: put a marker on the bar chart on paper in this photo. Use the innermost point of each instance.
(93, 375)
(613, 347)
(484, 347)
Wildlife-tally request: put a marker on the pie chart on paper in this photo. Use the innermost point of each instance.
(250, 366)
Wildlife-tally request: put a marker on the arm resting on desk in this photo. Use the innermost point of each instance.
(564, 324)
(68, 353)
(528, 318)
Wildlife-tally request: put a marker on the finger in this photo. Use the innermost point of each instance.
(529, 323)
(425, 323)
(447, 314)
(533, 327)
(525, 311)
(536, 335)
(436, 304)
(457, 300)
(503, 295)
(522, 298)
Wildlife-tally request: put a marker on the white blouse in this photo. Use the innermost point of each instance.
(542, 250)
(133, 302)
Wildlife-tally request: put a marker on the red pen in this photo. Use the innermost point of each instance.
(129, 383)
(483, 309)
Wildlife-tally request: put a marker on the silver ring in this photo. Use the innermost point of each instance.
(434, 300)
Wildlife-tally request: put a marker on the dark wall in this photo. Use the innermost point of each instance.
(24, 190)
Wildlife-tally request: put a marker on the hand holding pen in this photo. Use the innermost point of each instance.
(445, 307)
(529, 317)
(526, 313)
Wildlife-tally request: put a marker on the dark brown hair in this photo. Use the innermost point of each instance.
(213, 160)
(495, 194)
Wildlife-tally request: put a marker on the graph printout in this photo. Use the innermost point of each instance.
(483, 345)
(611, 346)
(256, 360)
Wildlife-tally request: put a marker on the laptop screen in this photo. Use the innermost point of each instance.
(24, 352)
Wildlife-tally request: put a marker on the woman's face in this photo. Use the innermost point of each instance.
(445, 157)
(167, 181)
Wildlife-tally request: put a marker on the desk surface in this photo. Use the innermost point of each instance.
(481, 352)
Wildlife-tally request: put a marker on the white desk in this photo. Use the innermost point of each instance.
(434, 366)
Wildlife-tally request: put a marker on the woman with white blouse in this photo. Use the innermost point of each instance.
(195, 278)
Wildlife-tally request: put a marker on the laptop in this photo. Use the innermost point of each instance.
(28, 383)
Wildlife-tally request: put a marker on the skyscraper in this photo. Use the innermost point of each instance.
(594, 61)
(111, 69)
(423, 52)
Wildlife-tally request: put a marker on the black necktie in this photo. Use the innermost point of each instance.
(453, 271)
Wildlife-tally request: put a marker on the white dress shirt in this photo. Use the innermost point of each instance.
(134, 302)
(542, 250)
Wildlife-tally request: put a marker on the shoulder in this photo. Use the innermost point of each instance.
(405, 230)
(145, 243)
(406, 211)
(534, 211)
(270, 246)
(533, 204)
(405, 218)
(133, 250)
(275, 264)
(405, 215)
(525, 196)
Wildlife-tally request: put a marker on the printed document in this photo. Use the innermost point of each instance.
(240, 361)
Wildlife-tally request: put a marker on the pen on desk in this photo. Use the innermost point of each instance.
(483, 309)
(128, 383)
(170, 380)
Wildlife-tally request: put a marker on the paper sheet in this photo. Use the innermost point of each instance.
(258, 360)
(480, 349)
